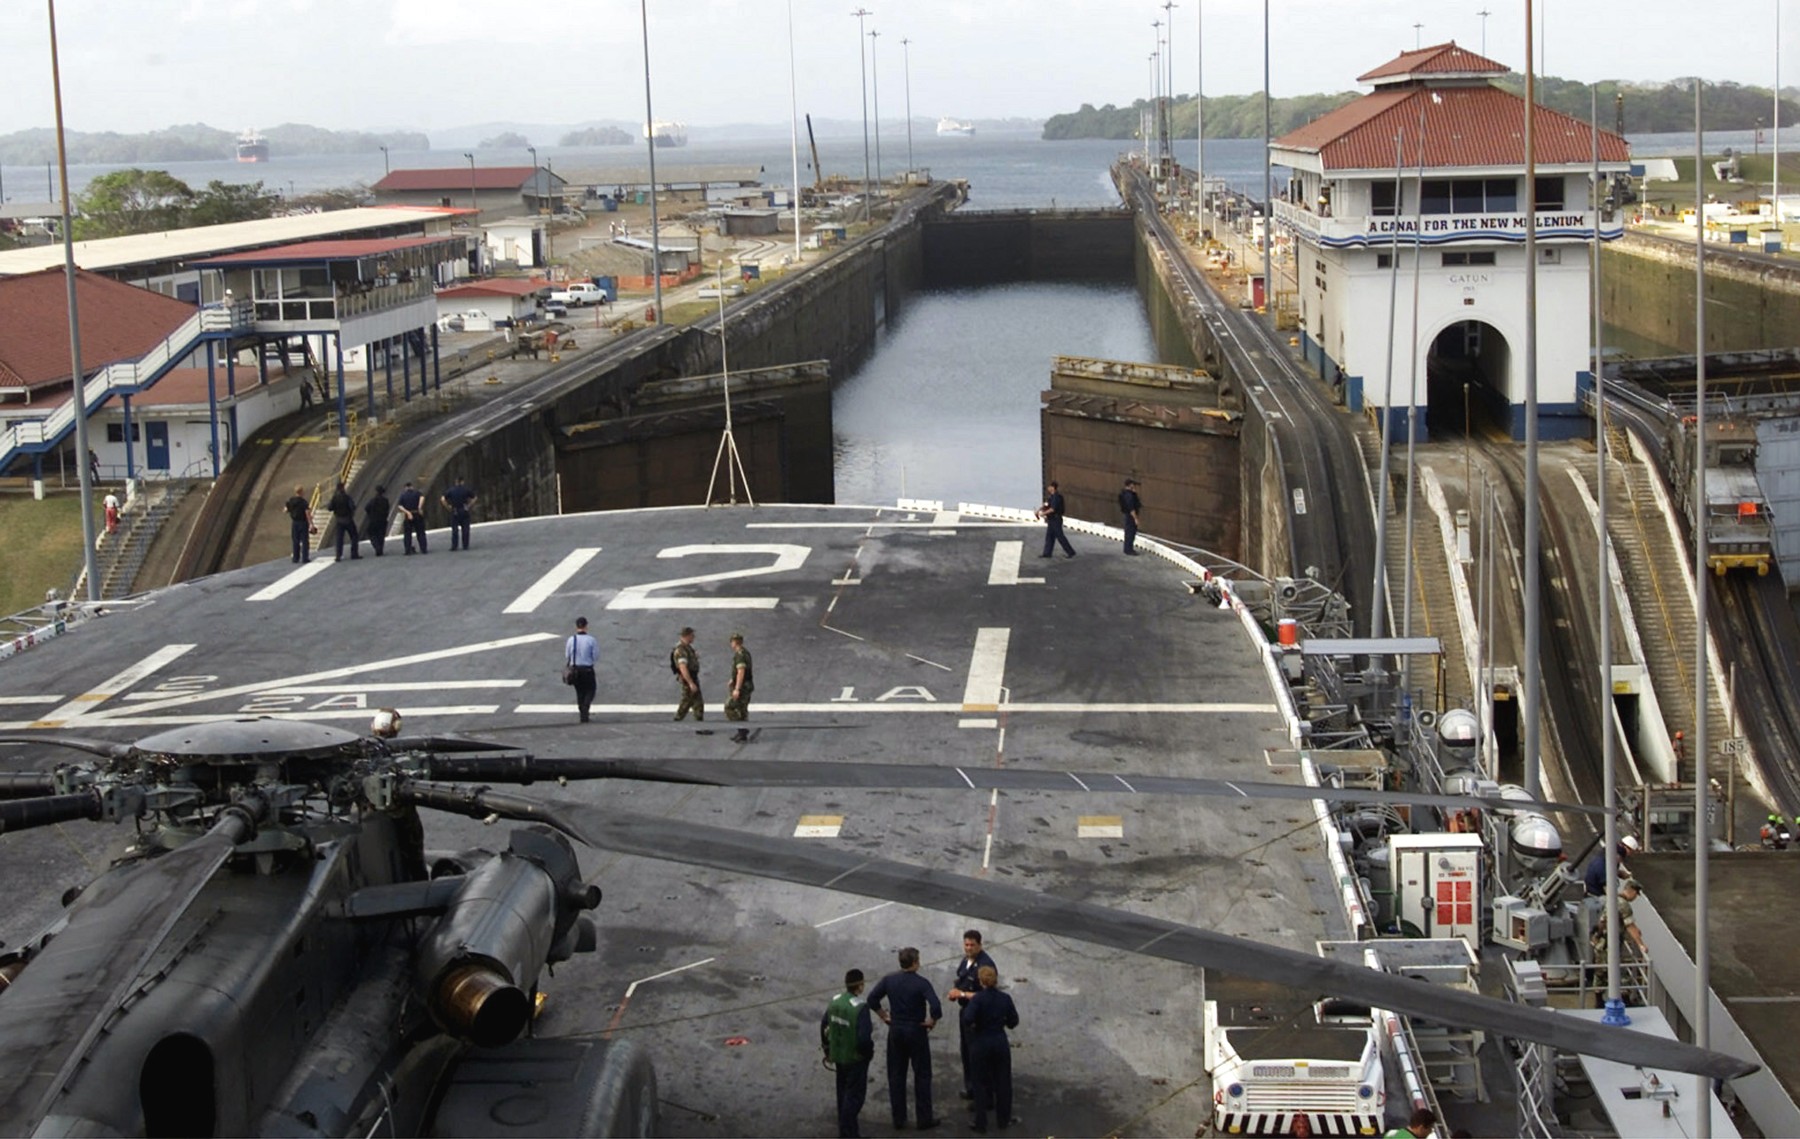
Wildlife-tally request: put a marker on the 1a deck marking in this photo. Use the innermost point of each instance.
(553, 580)
(987, 668)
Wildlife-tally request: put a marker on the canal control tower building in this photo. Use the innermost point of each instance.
(1457, 214)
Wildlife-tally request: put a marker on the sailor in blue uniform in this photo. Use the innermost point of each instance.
(915, 1009)
(988, 1016)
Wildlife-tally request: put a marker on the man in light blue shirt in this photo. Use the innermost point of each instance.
(580, 655)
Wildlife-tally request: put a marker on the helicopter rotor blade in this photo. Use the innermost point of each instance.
(47, 810)
(64, 998)
(835, 774)
(26, 784)
(446, 744)
(788, 860)
(106, 749)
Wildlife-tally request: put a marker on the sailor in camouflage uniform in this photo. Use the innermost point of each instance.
(743, 682)
(684, 662)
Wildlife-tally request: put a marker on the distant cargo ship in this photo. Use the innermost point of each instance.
(252, 147)
(947, 125)
(666, 134)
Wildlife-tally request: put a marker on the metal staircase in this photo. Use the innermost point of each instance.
(38, 436)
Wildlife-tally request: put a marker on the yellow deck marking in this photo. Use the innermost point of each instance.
(1100, 826)
(819, 826)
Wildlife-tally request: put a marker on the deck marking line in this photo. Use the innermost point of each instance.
(987, 669)
(965, 778)
(988, 723)
(1236, 788)
(852, 636)
(1009, 561)
(87, 702)
(852, 914)
(853, 870)
(348, 670)
(553, 580)
(819, 826)
(1100, 826)
(389, 686)
(987, 850)
(1125, 785)
(619, 1013)
(932, 663)
(291, 580)
(1078, 781)
(919, 707)
(45, 699)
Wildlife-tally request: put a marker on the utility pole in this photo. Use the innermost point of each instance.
(1484, 14)
(1268, 239)
(1169, 88)
(650, 142)
(78, 393)
(906, 68)
(1200, 121)
(875, 89)
(862, 62)
(1531, 697)
(1418, 36)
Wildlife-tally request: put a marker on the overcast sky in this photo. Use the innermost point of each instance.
(431, 64)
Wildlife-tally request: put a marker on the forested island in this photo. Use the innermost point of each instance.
(1647, 109)
(595, 136)
(196, 142)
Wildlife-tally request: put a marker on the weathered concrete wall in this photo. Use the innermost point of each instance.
(1647, 289)
(992, 247)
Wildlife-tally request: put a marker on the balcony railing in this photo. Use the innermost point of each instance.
(1353, 231)
(343, 305)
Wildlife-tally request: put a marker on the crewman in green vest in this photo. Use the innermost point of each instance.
(848, 1040)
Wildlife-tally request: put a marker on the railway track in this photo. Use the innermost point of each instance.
(1331, 520)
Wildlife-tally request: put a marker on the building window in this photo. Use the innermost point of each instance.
(1435, 196)
(1484, 257)
(1471, 195)
(115, 433)
(1383, 201)
(1502, 195)
(1549, 194)
(1384, 260)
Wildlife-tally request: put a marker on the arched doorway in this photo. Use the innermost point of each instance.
(1468, 380)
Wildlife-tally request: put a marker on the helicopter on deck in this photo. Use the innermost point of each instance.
(276, 952)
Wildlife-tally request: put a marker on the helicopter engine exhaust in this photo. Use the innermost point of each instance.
(479, 965)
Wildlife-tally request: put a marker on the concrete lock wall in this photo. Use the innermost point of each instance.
(1647, 289)
(992, 247)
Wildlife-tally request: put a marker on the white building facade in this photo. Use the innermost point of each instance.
(1456, 216)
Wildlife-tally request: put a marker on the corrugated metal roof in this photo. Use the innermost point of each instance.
(670, 174)
(1464, 126)
(1438, 59)
(183, 245)
(311, 251)
(498, 287)
(455, 178)
(118, 322)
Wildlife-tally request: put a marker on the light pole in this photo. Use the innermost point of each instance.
(1268, 235)
(1169, 87)
(862, 62)
(1484, 14)
(385, 167)
(1199, 122)
(534, 176)
(78, 393)
(793, 129)
(473, 204)
(1418, 36)
(650, 143)
(1156, 99)
(906, 69)
(875, 89)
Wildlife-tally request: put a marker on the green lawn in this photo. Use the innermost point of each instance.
(40, 547)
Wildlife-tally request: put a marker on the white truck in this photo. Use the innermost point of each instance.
(577, 293)
(1269, 1067)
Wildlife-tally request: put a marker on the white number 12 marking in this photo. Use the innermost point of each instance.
(787, 558)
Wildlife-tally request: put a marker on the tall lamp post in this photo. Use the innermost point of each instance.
(862, 62)
(473, 204)
(1169, 87)
(906, 70)
(1268, 235)
(1199, 122)
(875, 89)
(385, 167)
(90, 563)
(793, 130)
(650, 143)
(1156, 103)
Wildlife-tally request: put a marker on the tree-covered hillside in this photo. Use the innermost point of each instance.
(195, 142)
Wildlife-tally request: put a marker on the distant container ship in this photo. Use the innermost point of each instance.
(252, 147)
(666, 134)
(949, 125)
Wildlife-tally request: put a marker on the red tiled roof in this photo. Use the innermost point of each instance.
(118, 322)
(1434, 60)
(344, 250)
(498, 287)
(1464, 126)
(456, 178)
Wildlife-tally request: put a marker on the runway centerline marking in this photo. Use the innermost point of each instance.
(88, 703)
(554, 579)
(987, 670)
(292, 580)
(1009, 559)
